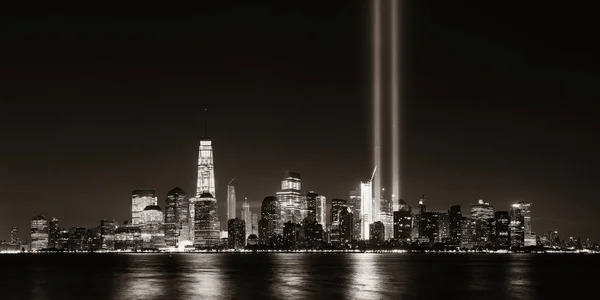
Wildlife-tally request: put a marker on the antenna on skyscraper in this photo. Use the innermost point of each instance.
(205, 122)
(374, 170)
(230, 182)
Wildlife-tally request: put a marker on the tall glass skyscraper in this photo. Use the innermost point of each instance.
(386, 216)
(322, 210)
(206, 168)
(366, 208)
(254, 229)
(520, 224)
(231, 201)
(247, 216)
(206, 226)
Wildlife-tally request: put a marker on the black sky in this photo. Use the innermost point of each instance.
(500, 104)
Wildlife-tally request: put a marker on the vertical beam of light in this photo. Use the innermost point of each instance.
(395, 110)
(376, 107)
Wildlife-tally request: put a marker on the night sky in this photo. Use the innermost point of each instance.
(499, 104)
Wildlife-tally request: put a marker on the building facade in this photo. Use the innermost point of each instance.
(139, 200)
(39, 233)
(231, 201)
(290, 198)
(482, 216)
(247, 216)
(366, 209)
(270, 224)
(206, 168)
(236, 233)
(206, 222)
(177, 218)
(502, 230)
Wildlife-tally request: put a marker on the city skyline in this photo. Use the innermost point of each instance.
(109, 107)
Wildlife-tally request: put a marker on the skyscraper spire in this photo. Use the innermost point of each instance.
(205, 122)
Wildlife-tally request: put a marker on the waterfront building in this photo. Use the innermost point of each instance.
(206, 222)
(39, 233)
(177, 218)
(236, 233)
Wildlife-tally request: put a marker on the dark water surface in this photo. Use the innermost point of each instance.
(298, 276)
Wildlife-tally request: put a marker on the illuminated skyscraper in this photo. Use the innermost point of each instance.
(177, 218)
(247, 217)
(482, 216)
(231, 201)
(377, 232)
(139, 200)
(270, 224)
(337, 206)
(443, 227)
(152, 230)
(502, 229)
(236, 234)
(386, 216)
(346, 230)
(311, 205)
(402, 225)
(53, 231)
(520, 225)
(39, 233)
(290, 198)
(354, 204)
(366, 208)
(454, 216)
(254, 229)
(321, 210)
(107, 233)
(206, 221)
(205, 188)
(206, 167)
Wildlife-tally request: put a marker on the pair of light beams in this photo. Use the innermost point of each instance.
(394, 75)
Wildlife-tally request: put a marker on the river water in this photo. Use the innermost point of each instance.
(299, 276)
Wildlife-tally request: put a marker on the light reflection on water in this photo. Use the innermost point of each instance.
(518, 280)
(366, 277)
(294, 276)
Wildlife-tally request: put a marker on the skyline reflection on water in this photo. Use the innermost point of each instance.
(296, 276)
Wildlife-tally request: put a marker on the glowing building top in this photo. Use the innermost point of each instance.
(482, 211)
(206, 167)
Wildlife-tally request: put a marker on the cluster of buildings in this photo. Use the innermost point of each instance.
(291, 219)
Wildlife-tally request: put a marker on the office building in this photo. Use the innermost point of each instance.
(290, 198)
(39, 233)
(139, 200)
